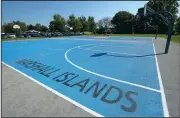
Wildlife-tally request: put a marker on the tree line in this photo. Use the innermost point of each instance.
(122, 22)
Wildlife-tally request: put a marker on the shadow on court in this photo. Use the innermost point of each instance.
(123, 55)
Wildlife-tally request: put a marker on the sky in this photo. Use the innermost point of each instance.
(32, 12)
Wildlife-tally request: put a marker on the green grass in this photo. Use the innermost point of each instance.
(11, 39)
(87, 33)
(175, 38)
(29, 38)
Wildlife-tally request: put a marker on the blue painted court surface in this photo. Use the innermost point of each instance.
(117, 76)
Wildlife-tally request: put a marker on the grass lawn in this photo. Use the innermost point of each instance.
(175, 38)
(10, 39)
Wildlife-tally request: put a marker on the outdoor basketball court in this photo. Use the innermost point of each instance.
(114, 76)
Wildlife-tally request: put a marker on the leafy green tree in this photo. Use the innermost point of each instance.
(57, 24)
(104, 25)
(169, 5)
(91, 24)
(22, 25)
(84, 23)
(30, 27)
(8, 27)
(57, 17)
(142, 24)
(44, 28)
(38, 27)
(157, 5)
(177, 26)
(123, 22)
(75, 23)
(71, 20)
(100, 30)
(2, 29)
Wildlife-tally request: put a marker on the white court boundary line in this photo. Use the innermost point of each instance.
(57, 93)
(114, 46)
(163, 96)
(72, 39)
(107, 77)
(129, 54)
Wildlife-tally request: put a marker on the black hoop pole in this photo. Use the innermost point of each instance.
(156, 32)
(170, 29)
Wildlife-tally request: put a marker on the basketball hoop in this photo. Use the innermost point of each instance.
(71, 28)
(169, 22)
(16, 27)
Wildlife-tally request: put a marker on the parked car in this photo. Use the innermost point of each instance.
(49, 34)
(4, 36)
(65, 33)
(20, 36)
(26, 35)
(78, 33)
(11, 35)
(81, 33)
(34, 34)
(59, 34)
(43, 34)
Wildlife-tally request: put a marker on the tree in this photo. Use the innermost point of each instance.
(22, 25)
(159, 5)
(44, 28)
(169, 5)
(84, 23)
(177, 26)
(57, 17)
(30, 27)
(71, 20)
(75, 23)
(2, 29)
(37, 27)
(40, 27)
(77, 26)
(91, 24)
(8, 27)
(142, 24)
(104, 25)
(57, 24)
(123, 22)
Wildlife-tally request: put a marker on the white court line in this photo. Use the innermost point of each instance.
(117, 46)
(91, 47)
(93, 39)
(114, 52)
(163, 97)
(107, 77)
(111, 45)
(57, 93)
